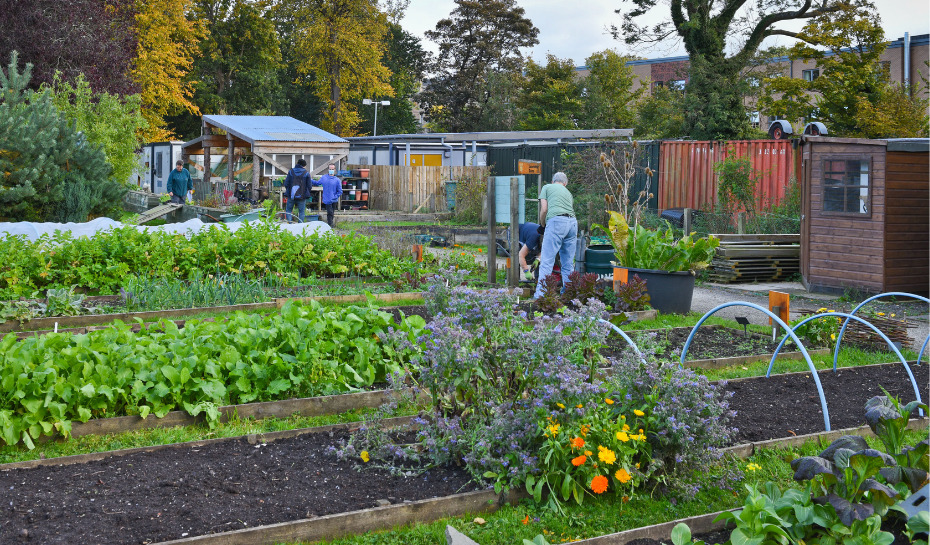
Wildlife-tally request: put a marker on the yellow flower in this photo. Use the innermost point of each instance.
(606, 455)
(626, 428)
(579, 405)
(880, 313)
(832, 336)
(364, 456)
(622, 475)
(622, 436)
(553, 430)
(609, 401)
(753, 467)
(638, 412)
(588, 453)
(559, 405)
(892, 315)
(831, 311)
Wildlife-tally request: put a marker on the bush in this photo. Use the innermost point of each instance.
(688, 417)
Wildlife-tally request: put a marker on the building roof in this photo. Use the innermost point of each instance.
(271, 128)
(488, 137)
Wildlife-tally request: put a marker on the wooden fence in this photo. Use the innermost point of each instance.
(406, 188)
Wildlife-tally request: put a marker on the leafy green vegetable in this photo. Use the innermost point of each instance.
(46, 382)
(641, 248)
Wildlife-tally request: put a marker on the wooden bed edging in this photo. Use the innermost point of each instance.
(699, 524)
(306, 406)
(748, 449)
(358, 522)
(252, 438)
(720, 363)
(68, 322)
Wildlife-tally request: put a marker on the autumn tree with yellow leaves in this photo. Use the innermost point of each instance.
(168, 42)
(341, 44)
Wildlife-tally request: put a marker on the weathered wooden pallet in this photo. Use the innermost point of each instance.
(156, 212)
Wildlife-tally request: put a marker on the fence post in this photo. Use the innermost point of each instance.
(513, 275)
(492, 236)
(687, 221)
(739, 223)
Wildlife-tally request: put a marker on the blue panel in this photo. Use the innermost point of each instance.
(502, 198)
(278, 128)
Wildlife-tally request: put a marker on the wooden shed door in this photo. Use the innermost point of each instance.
(805, 219)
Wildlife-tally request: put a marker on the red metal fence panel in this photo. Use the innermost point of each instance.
(687, 178)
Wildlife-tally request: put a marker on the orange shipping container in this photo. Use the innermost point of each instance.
(687, 178)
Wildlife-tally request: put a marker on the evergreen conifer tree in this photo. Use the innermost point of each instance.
(48, 170)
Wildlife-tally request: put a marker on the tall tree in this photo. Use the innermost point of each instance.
(479, 37)
(96, 38)
(109, 121)
(551, 98)
(707, 27)
(168, 42)
(49, 171)
(237, 69)
(406, 60)
(609, 92)
(340, 44)
(853, 92)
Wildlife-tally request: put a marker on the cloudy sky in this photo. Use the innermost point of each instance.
(575, 29)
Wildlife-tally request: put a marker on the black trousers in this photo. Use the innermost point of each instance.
(330, 212)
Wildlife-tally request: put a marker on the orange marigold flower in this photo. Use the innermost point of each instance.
(588, 453)
(526, 520)
(579, 460)
(599, 484)
(609, 401)
(622, 475)
(576, 442)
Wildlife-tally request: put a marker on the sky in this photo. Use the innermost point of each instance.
(576, 29)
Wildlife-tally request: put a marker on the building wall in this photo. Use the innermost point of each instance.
(907, 223)
(844, 251)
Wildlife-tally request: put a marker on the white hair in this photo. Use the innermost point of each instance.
(559, 178)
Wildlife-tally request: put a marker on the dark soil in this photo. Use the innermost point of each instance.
(709, 342)
(786, 405)
(178, 492)
(411, 310)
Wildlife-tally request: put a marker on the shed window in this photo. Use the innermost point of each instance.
(846, 186)
(810, 75)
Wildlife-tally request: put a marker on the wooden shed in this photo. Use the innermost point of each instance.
(865, 215)
(275, 142)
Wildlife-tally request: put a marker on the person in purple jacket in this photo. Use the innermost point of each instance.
(332, 190)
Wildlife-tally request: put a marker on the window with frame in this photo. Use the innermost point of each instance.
(846, 184)
(810, 75)
(678, 84)
(657, 84)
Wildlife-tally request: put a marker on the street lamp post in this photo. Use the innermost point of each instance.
(369, 102)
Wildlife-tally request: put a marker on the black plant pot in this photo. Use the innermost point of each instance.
(669, 292)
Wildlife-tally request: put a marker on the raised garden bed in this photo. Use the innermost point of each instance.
(162, 493)
(168, 494)
(788, 405)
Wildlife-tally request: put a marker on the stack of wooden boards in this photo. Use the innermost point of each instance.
(755, 258)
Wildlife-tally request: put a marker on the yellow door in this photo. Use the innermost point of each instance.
(432, 160)
(416, 160)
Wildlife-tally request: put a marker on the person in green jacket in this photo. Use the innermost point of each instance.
(179, 183)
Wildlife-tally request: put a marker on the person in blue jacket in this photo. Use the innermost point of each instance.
(179, 183)
(332, 190)
(297, 189)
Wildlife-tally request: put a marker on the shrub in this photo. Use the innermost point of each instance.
(688, 417)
